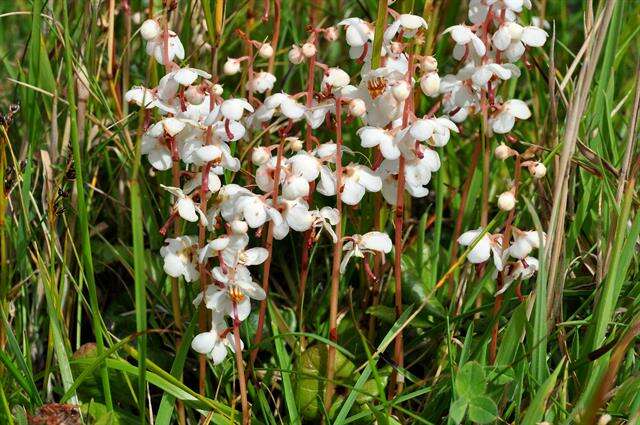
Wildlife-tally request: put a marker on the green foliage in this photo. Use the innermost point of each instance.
(86, 314)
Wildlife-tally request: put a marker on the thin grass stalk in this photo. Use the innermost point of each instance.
(4, 266)
(139, 278)
(501, 276)
(83, 214)
(335, 266)
(267, 264)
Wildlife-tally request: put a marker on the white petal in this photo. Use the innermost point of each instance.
(352, 192)
(204, 342)
(256, 256)
(187, 209)
(377, 241)
(502, 123)
(518, 109)
(534, 36)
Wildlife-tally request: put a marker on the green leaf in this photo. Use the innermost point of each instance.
(482, 410)
(537, 407)
(458, 409)
(470, 381)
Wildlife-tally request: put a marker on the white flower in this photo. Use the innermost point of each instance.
(150, 29)
(155, 48)
(375, 136)
(255, 210)
(524, 242)
(265, 51)
(212, 343)
(484, 247)
(185, 207)
(308, 50)
(356, 180)
(178, 257)
(484, 73)
(296, 216)
(260, 155)
(157, 152)
(358, 245)
(505, 119)
(231, 66)
(463, 35)
(520, 270)
(233, 299)
(435, 131)
(233, 109)
(295, 55)
(213, 182)
(289, 107)
(169, 84)
(358, 31)
(512, 39)
(261, 82)
(326, 219)
(430, 84)
(336, 78)
(357, 107)
(506, 201)
(141, 96)
(409, 23)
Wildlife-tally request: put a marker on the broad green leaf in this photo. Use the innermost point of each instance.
(482, 410)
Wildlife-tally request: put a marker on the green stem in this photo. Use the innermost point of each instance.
(82, 207)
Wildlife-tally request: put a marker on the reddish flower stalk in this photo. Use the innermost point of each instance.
(269, 247)
(276, 35)
(398, 351)
(304, 269)
(505, 244)
(246, 419)
(335, 267)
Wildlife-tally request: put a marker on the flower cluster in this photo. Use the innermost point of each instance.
(489, 49)
(199, 130)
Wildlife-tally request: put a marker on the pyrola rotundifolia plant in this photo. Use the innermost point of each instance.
(199, 129)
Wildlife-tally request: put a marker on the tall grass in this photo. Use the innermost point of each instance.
(88, 316)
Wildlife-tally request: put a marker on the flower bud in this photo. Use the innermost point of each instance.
(217, 89)
(308, 49)
(239, 227)
(430, 84)
(503, 152)
(260, 155)
(330, 34)
(538, 170)
(429, 64)
(295, 55)
(336, 78)
(295, 144)
(506, 201)
(266, 51)
(357, 107)
(604, 419)
(136, 18)
(231, 66)
(401, 91)
(194, 95)
(150, 29)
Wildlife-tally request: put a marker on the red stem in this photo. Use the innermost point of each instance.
(335, 269)
(267, 264)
